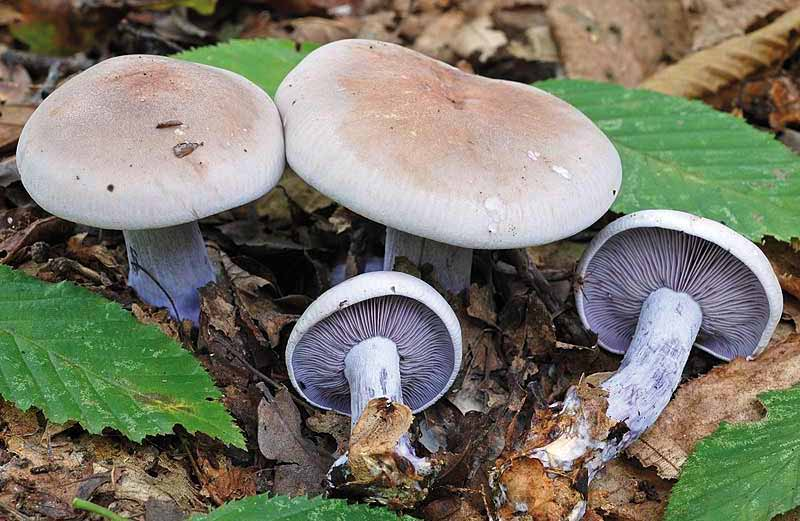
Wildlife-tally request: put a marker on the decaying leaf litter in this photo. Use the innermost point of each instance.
(284, 250)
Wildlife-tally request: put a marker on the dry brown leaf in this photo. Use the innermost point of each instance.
(713, 21)
(786, 263)
(727, 393)
(12, 119)
(280, 438)
(481, 304)
(436, 37)
(479, 39)
(707, 72)
(15, 82)
(624, 492)
(606, 41)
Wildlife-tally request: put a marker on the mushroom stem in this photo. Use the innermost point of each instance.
(372, 369)
(651, 370)
(451, 264)
(167, 266)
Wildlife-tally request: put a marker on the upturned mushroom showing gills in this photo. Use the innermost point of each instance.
(377, 335)
(651, 285)
(150, 145)
(448, 161)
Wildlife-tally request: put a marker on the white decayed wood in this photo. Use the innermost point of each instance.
(452, 265)
(637, 393)
(169, 261)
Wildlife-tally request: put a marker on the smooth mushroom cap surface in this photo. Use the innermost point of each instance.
(92, 153)
(420, 146)
(725, 274)
(386, 304)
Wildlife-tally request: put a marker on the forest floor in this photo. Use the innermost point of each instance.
(282, 251)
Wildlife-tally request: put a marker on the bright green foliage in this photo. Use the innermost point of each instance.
(744, 472)
(684, 155)
(264, 62)
(263, 508)
(78, 356)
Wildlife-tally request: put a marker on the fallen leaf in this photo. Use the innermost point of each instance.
(47, 230)
(786, 263)
(280, 438)
(12, 119)
(477, 38)
(624, 492)
(481, 304)
(706, 73)
(603, 42)
(332, 423)
(727, 393)
(712, 21)
(225, 482)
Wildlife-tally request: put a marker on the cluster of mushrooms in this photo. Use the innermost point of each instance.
(449, 162)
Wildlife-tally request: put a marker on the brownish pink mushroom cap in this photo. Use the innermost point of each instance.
(427, 149)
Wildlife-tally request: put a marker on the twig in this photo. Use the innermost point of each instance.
(200, 475)
(528, 270)
(82, 504)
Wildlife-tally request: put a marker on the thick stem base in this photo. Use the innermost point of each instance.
(596, 424)
(167, 266)
(451, 265)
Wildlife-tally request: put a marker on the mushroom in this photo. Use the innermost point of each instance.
(651, 285)
(448, 161)
(150, 145)
(377, 335)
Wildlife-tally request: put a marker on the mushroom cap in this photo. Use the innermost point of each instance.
(91, 152)
(726, 274)
(388, 304)
(422, 147)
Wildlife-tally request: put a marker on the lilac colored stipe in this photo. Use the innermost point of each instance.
(422, 340)
(636, 262)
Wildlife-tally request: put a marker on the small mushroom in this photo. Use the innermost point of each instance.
(448, 161)
(101, 151)
(379, 335)
(651, 285)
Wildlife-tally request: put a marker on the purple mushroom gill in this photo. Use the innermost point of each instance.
(635, 263)
(380, 336)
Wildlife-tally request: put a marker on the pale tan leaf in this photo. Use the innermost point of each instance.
(707, 72)
(727, 393)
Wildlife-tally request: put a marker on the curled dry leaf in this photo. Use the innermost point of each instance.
(727, 393)
(706, 73)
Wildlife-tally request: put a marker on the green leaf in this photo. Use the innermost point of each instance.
(744, 472)
(264, 62)
(78, 356)
(263, 508)
(203, 7)
(684, 155)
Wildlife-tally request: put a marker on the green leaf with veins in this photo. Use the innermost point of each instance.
(77, 356)
(685, 155)
(263, 508)
(265, 62)
(744, 472)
